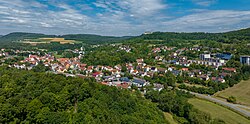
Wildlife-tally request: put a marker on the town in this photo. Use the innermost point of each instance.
(124, 62)
(208, 67)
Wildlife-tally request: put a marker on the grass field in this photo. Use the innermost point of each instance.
(196, 85)
(170, 118)
(241, 91)
(217, 111)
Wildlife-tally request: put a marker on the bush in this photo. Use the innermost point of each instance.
(231, 99)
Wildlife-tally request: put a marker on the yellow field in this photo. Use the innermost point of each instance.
(217, 111)
(61, 40)
(48, 40)
(241, 91)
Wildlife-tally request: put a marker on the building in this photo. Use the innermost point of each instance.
(205, 57)
(224, 56)
(245, 60)
(139, 82)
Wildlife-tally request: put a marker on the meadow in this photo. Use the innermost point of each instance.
(217, 111)
(241, 91)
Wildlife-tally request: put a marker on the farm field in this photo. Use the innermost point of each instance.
(217, 111)
(48, 40)
(241, 91)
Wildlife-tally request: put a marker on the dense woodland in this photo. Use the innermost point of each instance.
(228, 37)
(33, 97)
(39, 97)
(85, 38)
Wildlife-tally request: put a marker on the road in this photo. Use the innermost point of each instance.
(235, 107)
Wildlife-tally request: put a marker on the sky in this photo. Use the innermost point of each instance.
(122, 17)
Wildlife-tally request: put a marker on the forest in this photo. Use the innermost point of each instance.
(84, 38)
(39, 97)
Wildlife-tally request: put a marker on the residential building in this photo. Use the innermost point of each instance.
(245, 60)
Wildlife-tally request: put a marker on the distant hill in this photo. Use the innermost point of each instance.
(91, 38)
(232, 36)
(227, 37)
(21, 35)
(87, 38)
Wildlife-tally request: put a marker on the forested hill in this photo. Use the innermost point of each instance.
(34, 97)
(21, 35)
(227, 37)
(91, 38)
(87, 38)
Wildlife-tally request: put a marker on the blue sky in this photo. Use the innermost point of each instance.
(122, 17)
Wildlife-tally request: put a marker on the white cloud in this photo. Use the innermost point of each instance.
(46, 25)
(114, 21)
(210, 20)
(116, 18)
(204, 2)
(132, 7)
(144, 7)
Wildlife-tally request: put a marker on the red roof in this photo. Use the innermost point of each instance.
(82, 68)
(104, 83)
(184, 69)
(217, 79)
(123, 85)
(229, 69)
(63, 59)
(33, 56)
(90, 67)
(96, 73)
(83, 65)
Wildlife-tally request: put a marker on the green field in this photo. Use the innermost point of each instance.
(217, 111)
(241, 91)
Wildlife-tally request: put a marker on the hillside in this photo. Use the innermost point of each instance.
(241, 91)
(217, 111)
(242, 32)
(32, 97)
(227, 37)
(86, 38)
(90, 38)
(21, 36)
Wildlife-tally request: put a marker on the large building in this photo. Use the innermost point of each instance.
(224, 56)
(245, 60)
(205, 57)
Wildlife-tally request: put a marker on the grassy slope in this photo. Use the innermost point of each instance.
(217, 111)
(169, 118)
(241, 91)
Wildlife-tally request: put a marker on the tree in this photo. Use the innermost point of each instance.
(170, 79)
